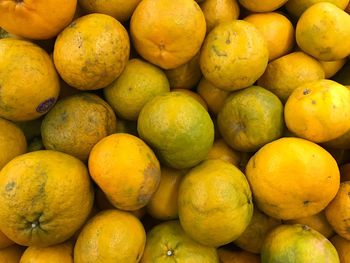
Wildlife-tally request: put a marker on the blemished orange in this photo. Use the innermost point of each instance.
(40, 19)
(11, 254)
(262, 6)
(229, 256)
(318, 111)
(29, 85)
(167, 33)
(92, 51)
(278, 171)
(61, 253)
(225, 209)
(111, 236)
(343, 248)
(277, 30)
(338, 211)
(45, 197)
(126, 170)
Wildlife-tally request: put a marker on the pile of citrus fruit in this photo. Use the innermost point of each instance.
(180, 131)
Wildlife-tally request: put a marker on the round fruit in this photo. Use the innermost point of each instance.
(119, 9)
(167, 242)
(194, 95)
(221, 150)
(111, 236)
(167, 33)
(163, 203)
(224, 211)
(332, 67)
(11, 254)
(262, 6)
(318, 111)
(41, 19)
(338, 211)
(234, 55)
(54, 254)
(228, 256)
(279, 170)
(285, 74)
(343, 248)
(45, 196)
(77, 123)
(297, 243)
(125, 169)
(247, 128)
(178, 128)
(277, 30)
(12, 142)
(91, 52)
(323, 32)
(139, 82)
(28, 80)
(297, 7)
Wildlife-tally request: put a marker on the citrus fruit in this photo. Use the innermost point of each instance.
(234, 55)
(288, 72)
(91, 52)
(253, 237)
(11, 254)
(125, 169)
(322, 32)
(5, 241)
(277, 30)
(297, 7)
(318, 111)
(178, 128)
(228, 256)
(332, 67)
(12, 142)
(247, 128)
(343, 248)
(28, 80)
(338, 213)
(278, 172)
(167, 33)
(111, 236)
(138, 83)
(225, 209)
(36, 20)
(219, 11)
(120, 10)
(297, 244)
(167, 242)
(77, 123)
(54, 254)
(163, 203)
(262, 6)
(194, 95)
(221, 150)
(45, 196)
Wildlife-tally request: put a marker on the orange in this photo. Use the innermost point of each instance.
(92, 51)
(77, 123)
(5, 241)
(221, 150)
(120, 10)
(298, 243)
(12, 142)
(341, 142)
(343, 248)
(11, 254)
(167, 33)
(219, 11)
(138, 83)
(262, 6)
(163, 203)
(111, 236)
(41, 19)
(61, 253)
(194, 95)
(318, 111)
(247, 128)
(332, 67)
(322, 32)
(253, 237)
(214, 97)
(178, 128)
(185, 76)
(228, 256)
(338, 211)
(167, 242)
(277, 30)
(45, 196)
(225, 209)
(317, 222)
(297, 7)
(288, 72)
(284, 182)
(125, 169)
(29, 85)
(234, 55)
